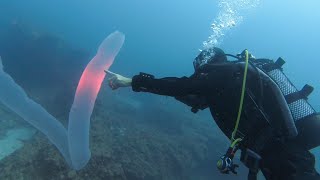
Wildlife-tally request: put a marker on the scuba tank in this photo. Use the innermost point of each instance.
(304, 116)
(300, 119)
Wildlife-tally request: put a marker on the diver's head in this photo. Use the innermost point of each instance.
(209, 56)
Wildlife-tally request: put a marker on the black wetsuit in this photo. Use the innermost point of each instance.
(260, 123)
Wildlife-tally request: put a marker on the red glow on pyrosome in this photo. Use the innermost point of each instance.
(93, 75)
(92, 78)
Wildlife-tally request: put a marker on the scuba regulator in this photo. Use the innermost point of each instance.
(225, 163)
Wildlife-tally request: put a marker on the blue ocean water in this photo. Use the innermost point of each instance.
(163, 37)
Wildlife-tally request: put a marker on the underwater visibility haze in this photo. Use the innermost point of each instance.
(59, 119)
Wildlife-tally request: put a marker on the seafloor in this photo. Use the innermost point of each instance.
(150, 138)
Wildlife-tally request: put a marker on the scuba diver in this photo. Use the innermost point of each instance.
(254, 104)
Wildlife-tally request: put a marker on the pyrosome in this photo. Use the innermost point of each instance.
(86, 94)
(74, 142)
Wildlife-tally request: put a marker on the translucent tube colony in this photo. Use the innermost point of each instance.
(74, 142)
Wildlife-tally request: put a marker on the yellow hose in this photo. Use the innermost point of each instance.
(233, 140)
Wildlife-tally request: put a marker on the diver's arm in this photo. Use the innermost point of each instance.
(170, 86)
(200, 84)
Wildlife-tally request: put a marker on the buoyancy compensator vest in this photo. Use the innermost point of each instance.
(304, 116)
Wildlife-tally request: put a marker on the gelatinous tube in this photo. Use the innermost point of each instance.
(74, 143)
(14, 97)
(86, 94)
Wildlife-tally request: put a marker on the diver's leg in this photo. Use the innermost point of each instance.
(304, 162)
(288, 161)
(274, 162)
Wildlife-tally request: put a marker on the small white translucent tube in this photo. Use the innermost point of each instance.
(14, 97)
(74, 143)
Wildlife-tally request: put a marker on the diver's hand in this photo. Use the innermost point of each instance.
(116, 81)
